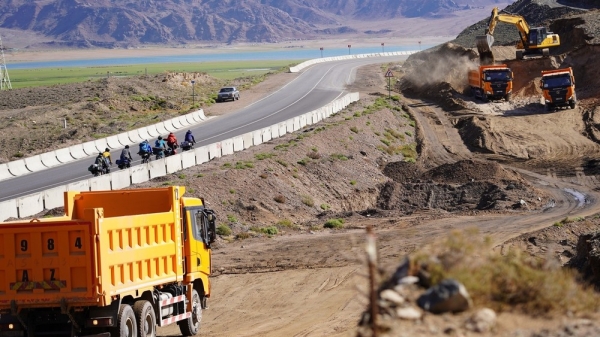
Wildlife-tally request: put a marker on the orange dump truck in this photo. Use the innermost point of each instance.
(558, 88)
(491, 82)
(119, 263)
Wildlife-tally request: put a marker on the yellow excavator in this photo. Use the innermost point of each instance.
(534, 40)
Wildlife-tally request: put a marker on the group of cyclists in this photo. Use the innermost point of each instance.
(162, 148)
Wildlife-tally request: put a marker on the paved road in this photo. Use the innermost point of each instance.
(315, 87)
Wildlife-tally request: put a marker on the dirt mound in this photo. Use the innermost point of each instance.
(466, 171)
(461, 186)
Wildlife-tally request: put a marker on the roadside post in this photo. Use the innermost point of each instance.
(382, 47)
(321, 52)
(349, 46)
(389, 74)
(193, 93)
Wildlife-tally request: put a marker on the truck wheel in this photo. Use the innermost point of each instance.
(572, 104)
(507, 97)
(191, 326)
(126, 326)
(146, 319)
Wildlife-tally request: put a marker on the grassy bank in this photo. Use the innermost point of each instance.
(227, 70)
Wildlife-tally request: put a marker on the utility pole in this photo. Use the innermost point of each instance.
(4, 79)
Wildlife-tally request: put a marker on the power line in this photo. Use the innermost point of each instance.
(4, 79)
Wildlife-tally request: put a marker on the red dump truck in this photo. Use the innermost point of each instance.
(119, 263)
(491, 82)
(558, 88)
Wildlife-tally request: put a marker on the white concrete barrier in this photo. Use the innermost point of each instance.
(8, 209)
(248, 140)
(101, 144)
(282, 128)
(139, 174)
(196, 116)
(176, 123)
(190, 119)
(302, 121)
(201, 155)
(161, 129)
(144, 134)
(289, 125)
(152, 131)
(157, 168)
(296, 124)
(238, 143)
(64, 156)
(173, 163)
(169, 126)
(35, 164)
(274, 131)
(214, 150)
(183, 121)
(54, 197)
(134, 137)
(266, 134)
(77, 151)
(49, 159)
(113, 142)
(120, 179)
(30, 205)
(201, 115)
(257, 137)
(82, 186)
(90, 148)
(5, 173)
(124, 139)
(18, 167)
(100, 183)
(227, 147)
(188, 159)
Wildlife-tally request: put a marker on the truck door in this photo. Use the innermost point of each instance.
(199, 239)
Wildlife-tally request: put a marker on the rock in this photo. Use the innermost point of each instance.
(390, 295)
(482, 321)
(447, 296)
(409, 280)
(408, 313)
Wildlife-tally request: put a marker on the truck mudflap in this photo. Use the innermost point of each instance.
(46, 264)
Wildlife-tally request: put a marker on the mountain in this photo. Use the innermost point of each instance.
(127, 23)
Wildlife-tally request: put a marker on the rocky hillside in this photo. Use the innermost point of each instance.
(126, 23)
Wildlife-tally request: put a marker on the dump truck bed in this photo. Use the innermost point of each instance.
(109, 243)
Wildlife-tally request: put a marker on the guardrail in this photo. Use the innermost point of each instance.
(62, 156)
(347, 57)
(34, 203)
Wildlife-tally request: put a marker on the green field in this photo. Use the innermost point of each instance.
(22, 78)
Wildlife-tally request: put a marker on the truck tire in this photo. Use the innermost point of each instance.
(146, 319)
(126, 325)
(519, 55)
(572, 104)
(191, 326)
(507, 97)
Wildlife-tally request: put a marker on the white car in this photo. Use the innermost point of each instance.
(228, 93)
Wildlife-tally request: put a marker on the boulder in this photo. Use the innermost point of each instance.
(482, 321)
(447, 296)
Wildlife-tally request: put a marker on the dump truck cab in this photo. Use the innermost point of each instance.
(491, 82)
(558, 88)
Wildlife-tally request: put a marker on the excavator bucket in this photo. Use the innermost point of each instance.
(484, 47)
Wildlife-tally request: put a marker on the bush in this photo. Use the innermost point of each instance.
(308, 200)
(223, 230)
(334, 223)
(280, 199)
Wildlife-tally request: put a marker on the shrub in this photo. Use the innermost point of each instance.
(325, 207)
(279, 199)
(308, 200)
(304, 161)
(242, 236)
(263, 156)
(285, 223)
(313, 155)
(334, 223)
(223, 230)
(281, 162)
(231, 218)
(354, 129)
(271, 230)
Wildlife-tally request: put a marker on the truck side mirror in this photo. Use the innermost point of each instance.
(212, 228)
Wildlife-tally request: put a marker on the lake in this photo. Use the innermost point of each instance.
(289, 54)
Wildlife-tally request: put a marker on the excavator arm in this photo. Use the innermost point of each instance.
(533, 40)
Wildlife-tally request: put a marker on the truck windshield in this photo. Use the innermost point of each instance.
(556, 81)
(498, 75)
